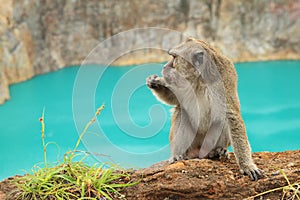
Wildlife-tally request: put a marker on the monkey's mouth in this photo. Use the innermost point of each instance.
(169, 71)
(167, 68)
(169, 64)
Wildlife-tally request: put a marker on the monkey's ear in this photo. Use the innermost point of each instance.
(197, 58)
(209, 71)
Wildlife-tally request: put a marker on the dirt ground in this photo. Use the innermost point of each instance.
(209, 179)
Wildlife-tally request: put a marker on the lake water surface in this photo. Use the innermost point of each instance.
(133, 127)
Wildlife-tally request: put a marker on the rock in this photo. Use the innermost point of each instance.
(37, 37)
(4, 93)
(207, 179)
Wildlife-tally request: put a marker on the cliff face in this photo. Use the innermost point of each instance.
(38, 36)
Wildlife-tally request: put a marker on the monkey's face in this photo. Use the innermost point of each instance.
(184, 67)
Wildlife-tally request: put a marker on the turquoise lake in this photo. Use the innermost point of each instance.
(132, 130)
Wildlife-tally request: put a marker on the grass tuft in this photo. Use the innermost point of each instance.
(72, 179)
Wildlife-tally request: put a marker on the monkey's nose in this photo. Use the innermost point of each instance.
(171, 53)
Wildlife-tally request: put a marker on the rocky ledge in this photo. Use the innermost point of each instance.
(211, 179)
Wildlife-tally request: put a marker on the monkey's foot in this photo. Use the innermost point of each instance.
(252, 171)
(219, 153)
(154, 82)
(176, 158)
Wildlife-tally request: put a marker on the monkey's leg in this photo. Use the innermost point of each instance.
(241, 146)
(213, 139)
(220, 151)
(161, 91)
(182, 135)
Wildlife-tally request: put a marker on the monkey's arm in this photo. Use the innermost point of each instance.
(240, 144)
(160, 90)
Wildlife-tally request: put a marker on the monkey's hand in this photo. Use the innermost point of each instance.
(252, 171)
(160, 89)
(155, 82)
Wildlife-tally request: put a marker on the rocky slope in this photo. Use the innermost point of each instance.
(38, 36)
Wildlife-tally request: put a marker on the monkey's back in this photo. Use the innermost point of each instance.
(228, 75)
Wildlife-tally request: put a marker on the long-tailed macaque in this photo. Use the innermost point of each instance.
(201, 84)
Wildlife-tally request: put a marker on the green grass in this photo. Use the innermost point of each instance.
(72, 179)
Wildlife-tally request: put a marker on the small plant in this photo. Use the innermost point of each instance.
(43, 137)
(70, 179)
(290, 191)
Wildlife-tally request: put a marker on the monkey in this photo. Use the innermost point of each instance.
(201, 85)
